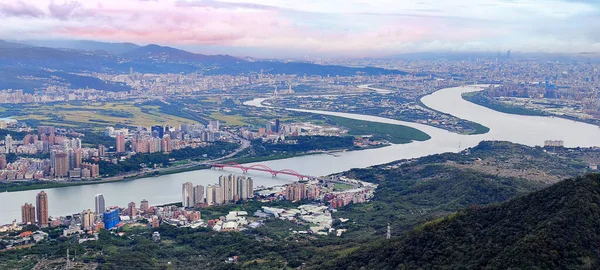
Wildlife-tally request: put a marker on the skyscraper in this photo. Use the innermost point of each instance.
(61, 164)
(100, 205)
(214, 195)
(120, 143)
(277, 125)
(28, 214)
(42, 209)
(198, 194)
(187, 192)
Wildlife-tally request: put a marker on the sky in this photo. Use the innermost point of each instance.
(315, 28)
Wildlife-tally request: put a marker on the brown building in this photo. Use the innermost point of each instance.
(120, 143)
(61, 165)
(28, 213)
(42, 209)
(93, 168)
(2, 162)
(132, 210)
(101, 150)
(295, 192)
(78, 154)
(144, 206)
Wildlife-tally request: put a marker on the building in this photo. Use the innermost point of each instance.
(144, 206)
(198, 195)
(120, 143)
(158, 131)
(77, 157)
(277, 126)
(2, 162)
(551, 143)
(88, 218)
(187, 193)
(28, 214)
(8, 142)
(94, 169)
(100, 205)
(214, 195)
(101, 150)
(131, 210)
(42, 209)
(61, 165)
(110, 218)
(295, 192)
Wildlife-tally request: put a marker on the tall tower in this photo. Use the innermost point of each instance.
(389, 232)
(187, 194)
(42, 209)
(120, 143)
(100, 205)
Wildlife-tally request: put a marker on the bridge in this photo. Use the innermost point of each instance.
(261, 168)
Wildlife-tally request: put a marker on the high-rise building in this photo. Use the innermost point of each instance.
(120, 143)
(61, 164)
(110, 218)
(42, 209)
(88, 219)
(198, 195)
(100, 204)
(77, 155)
(101, 150)
(296, 192)
(2, 162)
(214, 125)
(8, 141)
(144, 206)
(131, 209)
(214, 195)
(28, 214)
(160, 131)
(277, 125)
(187, 193)
(93, 168)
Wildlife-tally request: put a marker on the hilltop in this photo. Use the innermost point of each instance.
(555, 228)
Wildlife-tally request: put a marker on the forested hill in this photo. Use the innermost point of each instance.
(555, 228)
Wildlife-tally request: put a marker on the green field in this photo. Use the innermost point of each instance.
(396, 134)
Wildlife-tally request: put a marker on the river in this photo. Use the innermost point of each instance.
(529, 130)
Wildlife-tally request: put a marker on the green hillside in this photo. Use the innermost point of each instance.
(555, 228)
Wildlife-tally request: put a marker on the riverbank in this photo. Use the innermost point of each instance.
(481, 100)
(33, 185)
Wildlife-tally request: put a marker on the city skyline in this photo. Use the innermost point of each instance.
(330, 28)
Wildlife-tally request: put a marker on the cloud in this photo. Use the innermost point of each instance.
(63, 11)
(20, 9)
(313, 27)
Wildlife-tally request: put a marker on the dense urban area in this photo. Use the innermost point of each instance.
(158, 111)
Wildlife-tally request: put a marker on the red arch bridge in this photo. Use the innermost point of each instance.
(261, 168)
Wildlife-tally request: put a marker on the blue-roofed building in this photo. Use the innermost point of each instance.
(110, 218)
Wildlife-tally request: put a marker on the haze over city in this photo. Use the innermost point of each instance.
(294, 28)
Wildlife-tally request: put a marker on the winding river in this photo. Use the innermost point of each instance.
(528, 130)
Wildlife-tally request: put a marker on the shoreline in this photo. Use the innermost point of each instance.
(55, 184)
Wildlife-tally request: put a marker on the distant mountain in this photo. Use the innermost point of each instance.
(11, 45)
(21, 61)
(169, 54)
(85, 45)
(555, 228)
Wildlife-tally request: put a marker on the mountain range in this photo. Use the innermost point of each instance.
(43, 60)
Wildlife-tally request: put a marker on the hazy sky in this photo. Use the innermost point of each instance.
(314, 27)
